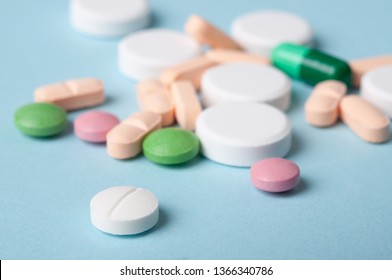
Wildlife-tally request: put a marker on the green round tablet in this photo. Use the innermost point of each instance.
(40, 119)
(171, 146)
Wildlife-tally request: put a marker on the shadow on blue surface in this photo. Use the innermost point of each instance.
(155, 20)
(295, 146)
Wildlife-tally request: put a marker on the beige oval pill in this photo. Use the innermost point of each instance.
(145, 121)
(359, 67)
(322, 106)
(125, 139)
(187, 105)
(72, 94)
(227, 56)
(146, 86)
(191, 70)
(155, 98)
(206, 33)
(364, 119)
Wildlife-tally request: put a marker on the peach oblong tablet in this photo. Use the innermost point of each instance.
(322, 106)
(187, 105)
(125, 140)
(206, 33)
(191, 70)
(227, 56)
(359, 67)
(364, 119)
(72, 94)
(146, 86)
(152, 96)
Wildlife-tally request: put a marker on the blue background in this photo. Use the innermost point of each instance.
(341, 210)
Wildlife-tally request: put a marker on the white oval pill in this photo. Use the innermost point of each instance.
(245, 81)
(124, 210)
(242, 133)
(259, 32)
(376, 87)
(108, 18)
(145, 54)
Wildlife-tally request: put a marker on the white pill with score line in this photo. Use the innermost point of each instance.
(124, 210)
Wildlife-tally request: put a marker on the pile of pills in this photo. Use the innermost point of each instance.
(245, 89)
(328, 101)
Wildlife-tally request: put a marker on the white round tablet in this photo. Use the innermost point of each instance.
(109, 18)
(242, 133)
(376, 87)
(124, 210)
(245, 82)
(145, 54)
(259, 32)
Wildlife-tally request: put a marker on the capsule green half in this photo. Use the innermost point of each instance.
(310, 65)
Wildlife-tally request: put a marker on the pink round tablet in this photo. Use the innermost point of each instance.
(94, 125)
(275, 175)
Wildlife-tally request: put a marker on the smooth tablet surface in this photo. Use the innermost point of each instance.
(242, 133)
(152, 96)
(125, 139)
(376, 87)
(40, 119)
(206, 33)
(124, 210)
(322, 106)
(259, 32)
(366, 120)
(187, 105)
(171, 146)
(275, 175)
(72, 94)
(109, 17)
(191, 70)
(226, 56)
(145, 54)
(360, 67)
(246, 82)
(94, 125)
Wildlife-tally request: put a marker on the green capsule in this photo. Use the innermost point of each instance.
(310, 65)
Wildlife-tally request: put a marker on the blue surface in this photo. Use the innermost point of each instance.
(341, 210)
